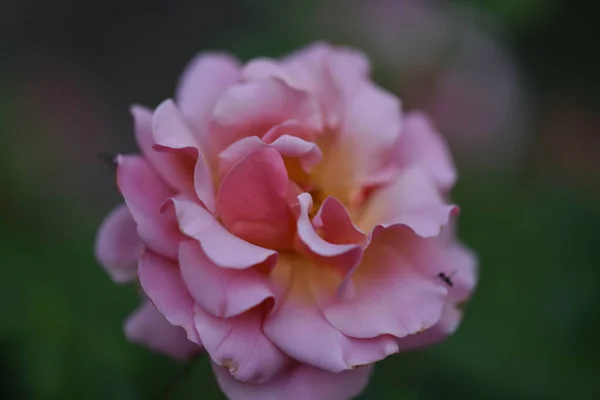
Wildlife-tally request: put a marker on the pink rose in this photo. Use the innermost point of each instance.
(287, 218)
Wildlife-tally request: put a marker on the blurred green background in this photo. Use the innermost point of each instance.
(513, 84)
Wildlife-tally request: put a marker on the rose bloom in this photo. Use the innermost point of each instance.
(285, 217)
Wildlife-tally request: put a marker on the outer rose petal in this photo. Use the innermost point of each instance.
(252, 200)
(391, 296)
(348, 68)
(220, 246)
(162, 283)
(118, 245)
(253, 108)
(444, 254)
(144, 192)
(413, 200)
(299, 383)
(298, 327)
(174, 169)
(149, 327)
(420, 145)
(220, 291)
(239, 344)
(447, 324)
(172, 134)
(205, 79)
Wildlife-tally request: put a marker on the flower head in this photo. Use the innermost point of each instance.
(286, 217)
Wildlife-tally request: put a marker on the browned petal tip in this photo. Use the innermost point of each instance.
(230, 364)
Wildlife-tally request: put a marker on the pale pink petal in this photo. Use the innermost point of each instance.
(447, 324)
(161, 280)
(290, 128)
(357, 156)
(174, 169)
(303, 69)
(327, 72)
(432, 256)
(413, 200)
(461, 266)
(220, 291)
(308, 73)
(118, 245)
(445, 254)
(172, 134)
(298, 327)
(348, 68)
(390, 295)
(263, 68)
(298, 383)
(344, 256)
(149, 327)
(239, 344)
(335, 225)
(143, 190)
(255, 107)
(144, 193)
(205, 79)
(252, 200)
(421, 146)
(372, 123)
(220, 246)
(301, 331)
(294, 147)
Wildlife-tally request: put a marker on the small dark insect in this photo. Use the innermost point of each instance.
(109, 160)
(446, 278)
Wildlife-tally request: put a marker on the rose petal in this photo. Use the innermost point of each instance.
(355, 157)
(144, 192)
(444, 254)
(420, 145)
(371, 124)
(298, 327)
(220, 246)
(290, 128)
(447, 324)
(348, 68)
(239, 344)
(239, 150)
(252, 200)
(289, 146)
(205, 79)
(118, 245)
(288, 139)
(300, 383)
(344, 256)
(161, 280)
(335, 225)
(254, 107)
(390, 295)
(149, 327)
(327, 72)
(174, 169)
(413, 200)
(220, 291)
(172, 134)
